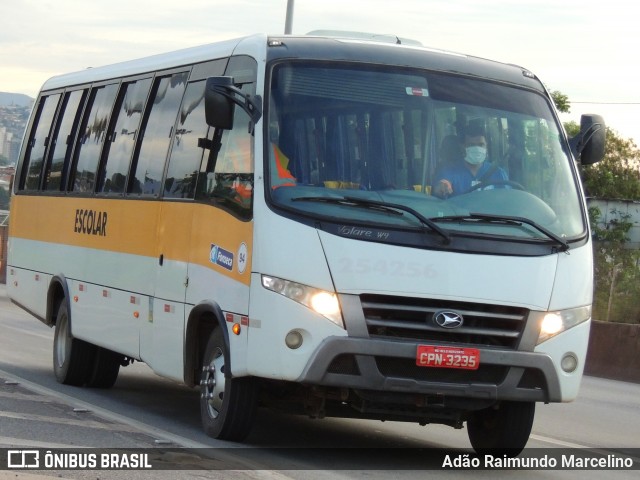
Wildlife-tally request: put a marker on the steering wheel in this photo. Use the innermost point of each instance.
(486, 183)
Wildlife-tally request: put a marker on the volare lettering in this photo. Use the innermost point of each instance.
(363, 233)
(356, 232)
(91, 222)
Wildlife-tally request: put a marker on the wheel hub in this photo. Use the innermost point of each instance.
(212, 385)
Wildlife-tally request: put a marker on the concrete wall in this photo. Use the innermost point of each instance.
(614, 351)
(612, 209)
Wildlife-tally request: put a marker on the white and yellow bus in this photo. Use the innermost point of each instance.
(268, 219)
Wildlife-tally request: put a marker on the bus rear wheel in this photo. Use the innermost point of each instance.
(105, 368)
(72, 358)
(501, 430)
(227, 405)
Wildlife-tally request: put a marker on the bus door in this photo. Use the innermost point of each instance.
(167, 308)
(160, 175)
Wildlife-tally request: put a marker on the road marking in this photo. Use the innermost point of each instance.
(252, 469)
(554, 441)
(104, 413)
(25, 396)
(32, 417)
(10, 442)
(599, 450)
(32, 333)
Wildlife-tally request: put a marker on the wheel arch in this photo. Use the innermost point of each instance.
(203, 319)
(58, 292)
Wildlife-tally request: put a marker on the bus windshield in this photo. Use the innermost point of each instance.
(351, 141)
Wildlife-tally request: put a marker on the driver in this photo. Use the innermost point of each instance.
(465, 173)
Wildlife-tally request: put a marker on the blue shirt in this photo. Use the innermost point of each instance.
(462, 179)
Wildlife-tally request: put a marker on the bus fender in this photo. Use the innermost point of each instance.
(204, 317)
(58, 291)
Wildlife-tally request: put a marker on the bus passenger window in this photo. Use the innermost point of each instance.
(62, 146)
(186, 153)
(158, 129)
(38, 142)
(122, 137)
(92, 137)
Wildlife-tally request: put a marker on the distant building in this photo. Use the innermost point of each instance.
(13, 120)
(7, 145)
(5, 138)
(6, 173)
(14, 150)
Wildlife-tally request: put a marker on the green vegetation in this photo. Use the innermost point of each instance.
(617, 270)
(617, 267)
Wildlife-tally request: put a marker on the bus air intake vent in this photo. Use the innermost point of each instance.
(406, 318)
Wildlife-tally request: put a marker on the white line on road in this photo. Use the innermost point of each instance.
(252, 470)
(554, 441)
(106, 414)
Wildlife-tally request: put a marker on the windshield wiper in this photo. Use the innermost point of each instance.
(380, 206)
(507, 220)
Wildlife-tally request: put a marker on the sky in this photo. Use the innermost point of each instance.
(586, 49)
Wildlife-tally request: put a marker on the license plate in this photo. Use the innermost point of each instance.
(448, 357)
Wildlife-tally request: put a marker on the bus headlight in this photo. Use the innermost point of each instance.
(320, 301)
(554, 323)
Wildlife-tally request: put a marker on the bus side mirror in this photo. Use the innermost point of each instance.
(220, 98)
(588, 146)
(218, 103)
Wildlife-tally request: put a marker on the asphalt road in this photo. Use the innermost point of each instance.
(145, 411)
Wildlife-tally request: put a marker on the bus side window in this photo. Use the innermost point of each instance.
(230, 185)
(122, 136)
(62, 146)
(157, 129)
(188, 148)
(91, 138)
(38, 142)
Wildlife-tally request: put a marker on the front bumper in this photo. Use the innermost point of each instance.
(390, 366)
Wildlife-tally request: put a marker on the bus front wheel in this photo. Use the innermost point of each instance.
(501, 430)
(227, 405)
(72, 358)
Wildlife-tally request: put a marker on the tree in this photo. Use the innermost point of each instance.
(617, 176)
(616, 272)
(561, 101)
(3, 161)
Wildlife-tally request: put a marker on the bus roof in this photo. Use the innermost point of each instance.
(324, 45)
(345, 48)
(152, 63)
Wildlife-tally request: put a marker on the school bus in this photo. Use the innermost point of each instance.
(279, 222)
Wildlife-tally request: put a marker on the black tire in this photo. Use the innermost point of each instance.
(106, 366)
(227, 405)
(503, 430)
(72, 358)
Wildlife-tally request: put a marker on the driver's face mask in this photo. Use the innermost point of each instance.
(475, 155)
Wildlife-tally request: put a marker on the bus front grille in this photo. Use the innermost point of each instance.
(406, 318)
